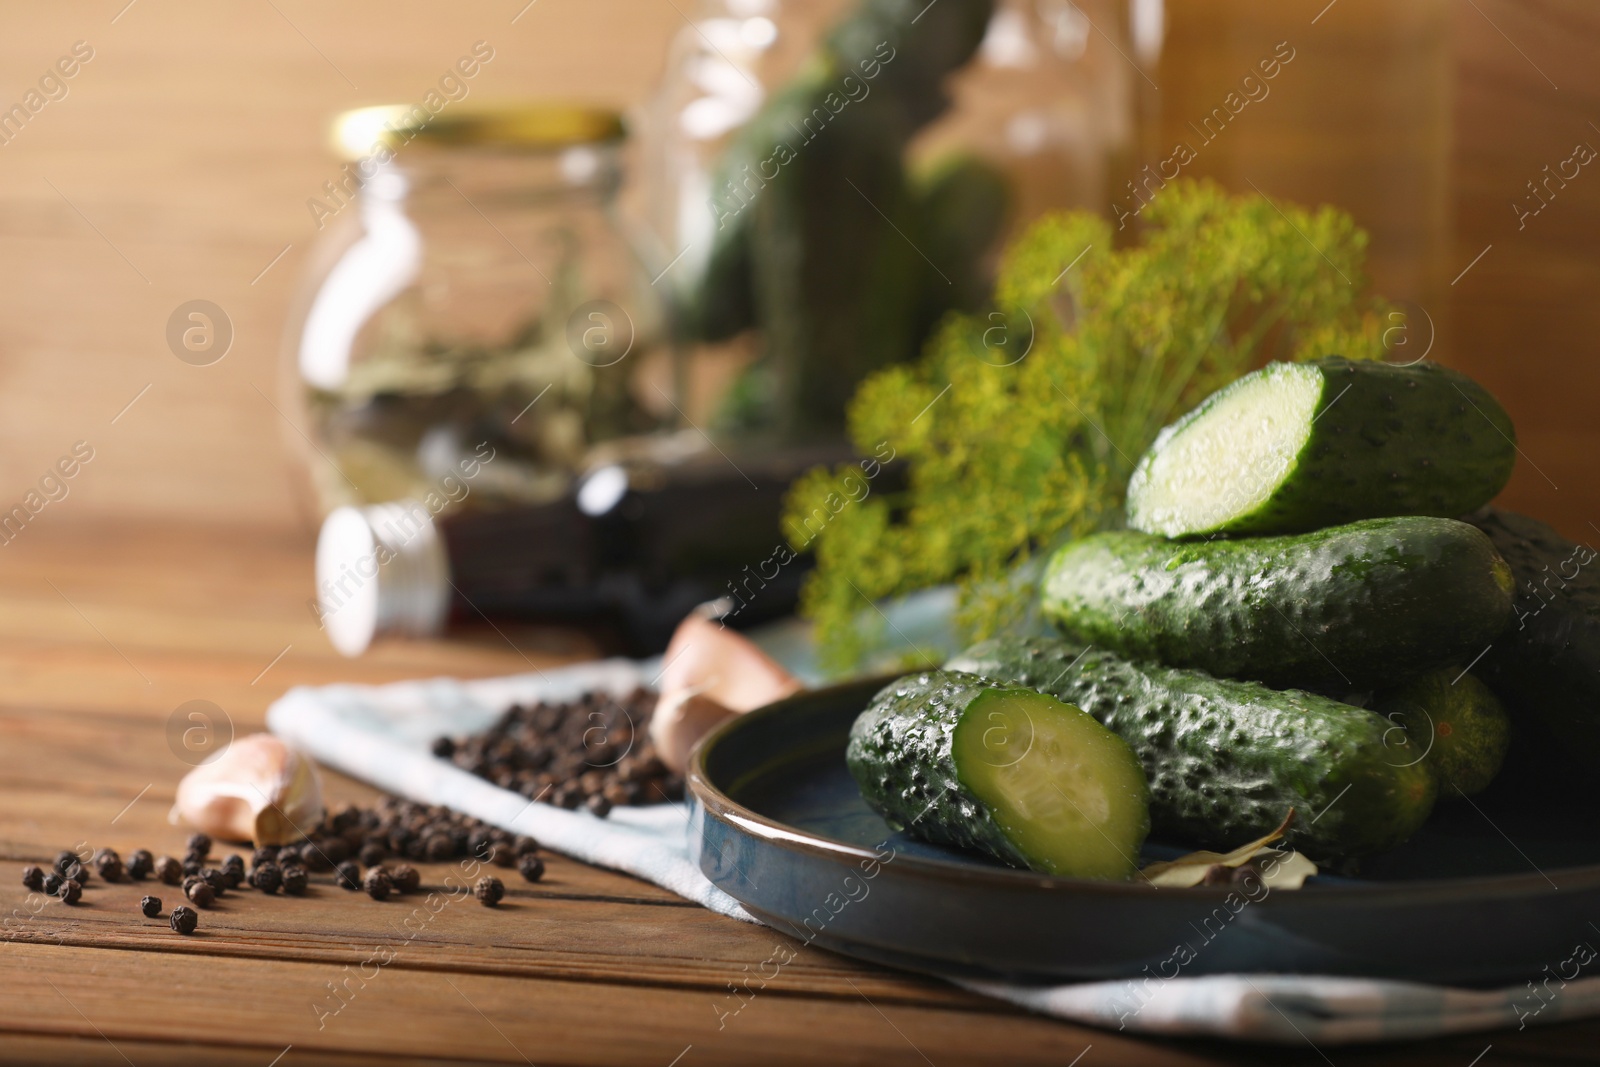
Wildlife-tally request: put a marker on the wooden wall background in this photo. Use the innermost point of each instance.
(179, 165)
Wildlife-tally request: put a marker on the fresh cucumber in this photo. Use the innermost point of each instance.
(1546, 665)
(1226, 759)
(1036, 783)
(1365, 605)
(1453, 723)
(1299, 446)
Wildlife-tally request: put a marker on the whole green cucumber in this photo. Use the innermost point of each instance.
(1360, 606)
(1226, 759)
(1546, 665)
(1454, 723)
(1034, 782)
(1299, 446)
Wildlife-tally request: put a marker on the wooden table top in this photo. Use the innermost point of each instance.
(105, 631)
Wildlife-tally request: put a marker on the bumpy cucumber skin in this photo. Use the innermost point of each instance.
(1545, 667)
(1226, 760)
(900, 755)
(1385, 440)
(1454, 723)
(1359, 606)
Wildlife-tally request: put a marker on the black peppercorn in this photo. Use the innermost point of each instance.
(405, 878)
(333, 850)
(33, 877)
(532, 868)
(169, 870)
(489, 891)
(184, 920)
(523, 845)
(151, 906)
(216, 879)
(76, 872)
(52, 883)
(71, 891)
(191, 865)
(201, 844)
(598, 805)
(200, 893)
(377, 883)
(233, 871)
(438, 847)
(287, 855)
(372, 853)
(264, 854)
(444, 747)
(140, 863)
(109, 864)
(503, 856)
(348, 875)
(267, 878)
(295, 880)
(63, 858)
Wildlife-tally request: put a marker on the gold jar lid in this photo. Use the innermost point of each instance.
(534, 127)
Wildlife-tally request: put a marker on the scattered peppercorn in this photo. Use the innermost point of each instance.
(200, 893)
(489, 891)
(191, 865)
(184, 920)
(444, 747)
(372, 853)
(377, 883)
(140, 864)
(109, 864)
(201, 844)
(503, 856)
(267, 878)
(348, 875)
(33, 877)
(598, 805)
(63, 858)
(405, 878)
(216, 879)
(52, 883)
(151, 906)
(288, 855)
(233, 871)
(532, 868)
(71, 891)
(295, 880)
(523, 845)
(169, 870)
(76, 872)
(264, 854)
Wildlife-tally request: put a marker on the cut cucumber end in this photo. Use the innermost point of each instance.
(1067, 793)
(1227, 458)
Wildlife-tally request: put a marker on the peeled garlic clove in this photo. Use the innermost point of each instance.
(259, 789)
(711, 673)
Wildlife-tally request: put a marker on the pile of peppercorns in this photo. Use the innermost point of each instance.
(393, 828)
(594, 752)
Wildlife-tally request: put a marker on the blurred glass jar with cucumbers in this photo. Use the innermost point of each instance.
(827, 178)
(491, 395)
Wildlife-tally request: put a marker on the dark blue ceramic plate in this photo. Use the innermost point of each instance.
(1489, 892)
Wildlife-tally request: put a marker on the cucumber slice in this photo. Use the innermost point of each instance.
(1455, 725)
(1299, 446)
(959, 761)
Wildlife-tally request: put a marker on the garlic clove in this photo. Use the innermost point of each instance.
(258, 789)
(711, 673)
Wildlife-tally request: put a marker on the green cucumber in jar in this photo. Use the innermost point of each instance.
(1299, 446)
(1360, 606)
(1226, 759)
(1033, 782)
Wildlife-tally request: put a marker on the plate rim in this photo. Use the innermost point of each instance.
(720, 806)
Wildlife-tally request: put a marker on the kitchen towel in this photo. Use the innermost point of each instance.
(383, 735)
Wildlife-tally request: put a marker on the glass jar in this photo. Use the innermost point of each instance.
(889, 149)
(474, 305)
